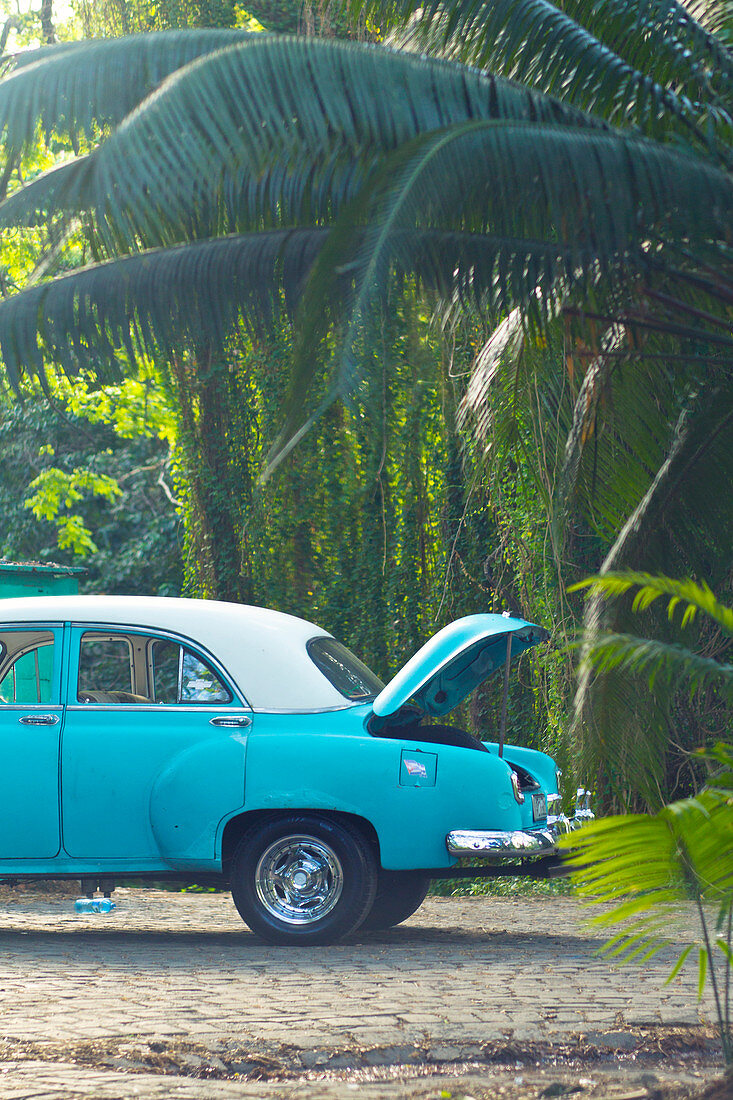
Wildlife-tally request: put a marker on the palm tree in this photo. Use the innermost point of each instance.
(641, 866)
(625, 411)
(225, 178)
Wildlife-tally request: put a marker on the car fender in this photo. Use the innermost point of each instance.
(537, 763)
(365, 777)
(196, 790)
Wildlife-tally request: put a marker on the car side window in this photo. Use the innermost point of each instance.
(181, 676)
(199, 684)
(106, 670)
(26, 668)
(136, 668)
(165, 660)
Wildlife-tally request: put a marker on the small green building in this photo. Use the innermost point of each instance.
(30, 677)
(35, 578)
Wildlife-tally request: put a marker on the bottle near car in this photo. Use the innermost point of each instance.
(91, 904)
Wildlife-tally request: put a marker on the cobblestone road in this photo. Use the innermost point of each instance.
(179, 972)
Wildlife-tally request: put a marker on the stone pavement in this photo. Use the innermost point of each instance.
(176, 983)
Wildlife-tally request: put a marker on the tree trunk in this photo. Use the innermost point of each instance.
(213, 537)
(47, 27)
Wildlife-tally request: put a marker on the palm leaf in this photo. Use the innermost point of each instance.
(609, 676)
(666, 38)
(526, 186)
(630, 62)
(689, 594)
(648, 860)
(194, 293)
(80, 86)
(660, 660)
(595, 386)
(640, 867)
(52, 195)
(713, 16)
(288, 125)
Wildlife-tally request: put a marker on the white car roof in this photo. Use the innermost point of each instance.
(263, 651)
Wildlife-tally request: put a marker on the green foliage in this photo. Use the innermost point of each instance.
(112, 17)
(688, 662)
(644, 866)
(687, 596)
(495, 244)
(635, 63)
(358, 532)
(135, 531)
(54, 490)
(519, 887)
(625, 431)
(23, 24)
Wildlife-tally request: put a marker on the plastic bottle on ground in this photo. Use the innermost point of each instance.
(94, 905)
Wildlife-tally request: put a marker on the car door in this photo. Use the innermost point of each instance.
(31, 719)
(153, 748)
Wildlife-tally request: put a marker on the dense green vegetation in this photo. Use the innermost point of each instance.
(587, 214)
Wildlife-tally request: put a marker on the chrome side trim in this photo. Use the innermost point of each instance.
(496, 844)
(305, 710)
(203, 709)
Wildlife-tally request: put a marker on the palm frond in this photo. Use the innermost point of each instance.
(665, 857)
(714, 16)
(157, 300)
(641, 866)
(665, 37)
(632, 62)
(502, 351)
(596, 383)
(526, 187)
(689, 595)
(660, 660)
(54, 194)
(664, 531)
(78, 87)
(291, 126)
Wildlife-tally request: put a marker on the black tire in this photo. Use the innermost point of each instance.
(303, 879)
(399, 894)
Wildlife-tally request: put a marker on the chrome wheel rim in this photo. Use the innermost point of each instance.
(299, 879)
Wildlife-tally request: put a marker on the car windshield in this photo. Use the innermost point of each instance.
(345, 671)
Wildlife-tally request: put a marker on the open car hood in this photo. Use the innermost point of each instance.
(455, 661)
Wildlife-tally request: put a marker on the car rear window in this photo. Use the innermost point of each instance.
(343, 669)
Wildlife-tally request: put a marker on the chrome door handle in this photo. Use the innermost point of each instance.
(230, 720)
(39, 719)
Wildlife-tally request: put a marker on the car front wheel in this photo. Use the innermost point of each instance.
(303, 879)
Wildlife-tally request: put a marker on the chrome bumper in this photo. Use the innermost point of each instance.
(521, 843)
(527, 844)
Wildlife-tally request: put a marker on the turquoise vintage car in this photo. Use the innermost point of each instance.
(194, 739)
